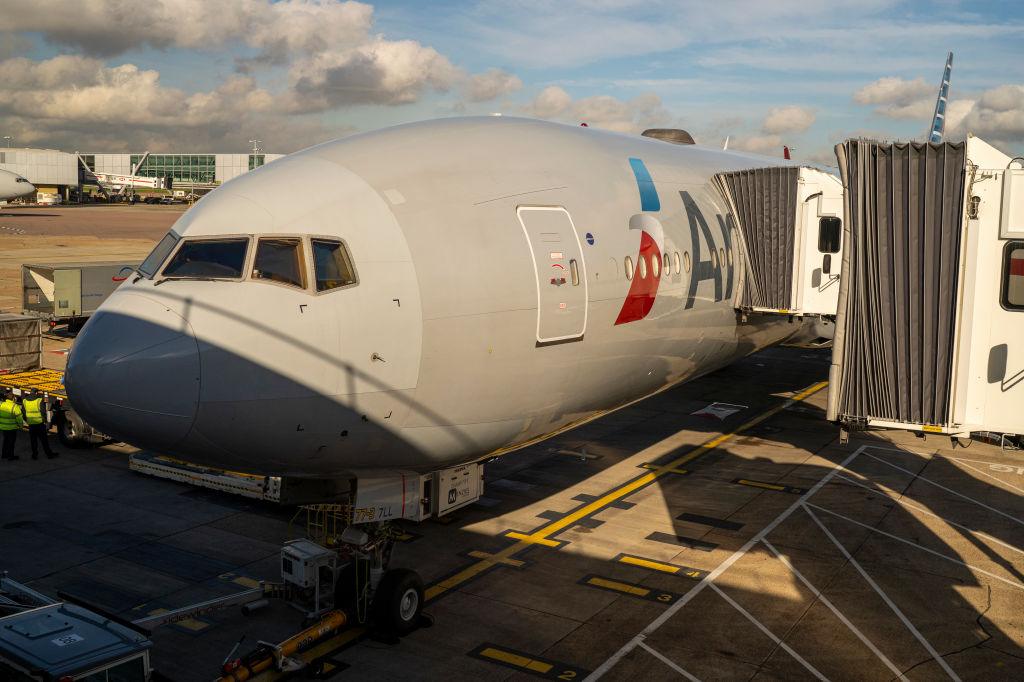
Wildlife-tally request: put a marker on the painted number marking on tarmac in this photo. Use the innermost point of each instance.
(523, 662)
(638, 591)
(770, 486)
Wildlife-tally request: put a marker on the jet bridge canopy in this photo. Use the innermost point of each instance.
(925, 339)
(897, 301)
(788, 218)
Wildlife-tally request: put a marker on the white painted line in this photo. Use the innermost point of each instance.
(824, 600)
(895, 609)
(670, 663)
(948, 490)
(914, 544)
(722, 568)
(965, 459)
(788, 649)
(972, 531)
(985, 473)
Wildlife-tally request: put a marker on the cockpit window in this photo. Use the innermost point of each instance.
(333, 265)
(158, 255)
(20, 179)
(280, 260)
(209, 258)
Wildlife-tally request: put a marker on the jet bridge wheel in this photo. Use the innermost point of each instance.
(398, 602)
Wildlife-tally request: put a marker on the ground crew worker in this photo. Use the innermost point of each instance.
(11, 419)
(35, 416)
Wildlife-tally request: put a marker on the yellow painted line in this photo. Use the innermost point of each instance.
(758, 484)
(192, 624)
(541, 535)
(648, 465)
(647, 563)
(532, 539)
(619, 587)
(931, 429)
(246, 582)
(517, 660)
(515, 563)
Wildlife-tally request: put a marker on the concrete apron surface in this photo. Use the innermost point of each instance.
(654, 542)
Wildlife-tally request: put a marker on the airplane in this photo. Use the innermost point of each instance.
(13, 186)
(443, 292)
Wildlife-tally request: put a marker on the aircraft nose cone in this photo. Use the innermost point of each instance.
(134, 372)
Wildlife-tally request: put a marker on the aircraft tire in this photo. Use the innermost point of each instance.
(398, 602)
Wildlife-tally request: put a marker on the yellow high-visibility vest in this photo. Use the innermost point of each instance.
(10, 415)
(33, 410)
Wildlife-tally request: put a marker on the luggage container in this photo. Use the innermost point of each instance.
(930, 327)
(789, 219)
(21, 344)
(68, 293)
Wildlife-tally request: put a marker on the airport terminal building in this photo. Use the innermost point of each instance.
(61, 173)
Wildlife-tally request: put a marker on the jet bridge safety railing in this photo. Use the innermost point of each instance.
(788, 220)
(925, 339)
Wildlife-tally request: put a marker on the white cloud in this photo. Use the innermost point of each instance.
(791, 119)
(601, 111)
(759, 144)
(103, 28)
(491, 85)
(996, 116)
(379, 72)
(894, 91)
(74, 102)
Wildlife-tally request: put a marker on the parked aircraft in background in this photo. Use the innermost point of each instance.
(13, 186)
(448, 291)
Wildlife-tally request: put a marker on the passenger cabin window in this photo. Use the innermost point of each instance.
(332, 264)
(575, 270)
(209, 259)
(280, 260)
(1013, 277)
(830, 234)
(643, 266)
(628, 266)
(158, 255)
(656, 266)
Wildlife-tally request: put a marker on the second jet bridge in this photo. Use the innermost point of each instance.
(790, 224)
(931, 306)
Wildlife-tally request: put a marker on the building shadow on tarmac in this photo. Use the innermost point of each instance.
(738, 563)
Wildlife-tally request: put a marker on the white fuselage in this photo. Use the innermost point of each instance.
(459, 339)
(13, 186)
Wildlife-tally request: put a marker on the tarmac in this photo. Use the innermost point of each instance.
(665, 540)
(653, 543)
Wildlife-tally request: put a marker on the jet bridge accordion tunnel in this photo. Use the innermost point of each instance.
(788, 220)
(929, 243)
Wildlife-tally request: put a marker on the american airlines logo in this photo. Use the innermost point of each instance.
(643, 287)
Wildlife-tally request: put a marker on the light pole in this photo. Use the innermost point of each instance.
(8, 138)
(256, 146)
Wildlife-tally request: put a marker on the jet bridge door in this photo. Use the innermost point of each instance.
(561, 275)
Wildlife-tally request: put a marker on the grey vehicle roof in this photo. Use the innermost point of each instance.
(27, 639)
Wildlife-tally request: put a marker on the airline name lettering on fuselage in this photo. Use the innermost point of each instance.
(704, 270)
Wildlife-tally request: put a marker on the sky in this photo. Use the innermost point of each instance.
(201, 76)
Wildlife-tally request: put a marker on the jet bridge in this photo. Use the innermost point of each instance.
(788, 218)
(930, 326)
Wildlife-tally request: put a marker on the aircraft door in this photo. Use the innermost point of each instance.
(560, 271)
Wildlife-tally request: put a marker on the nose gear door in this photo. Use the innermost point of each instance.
(560, 271)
